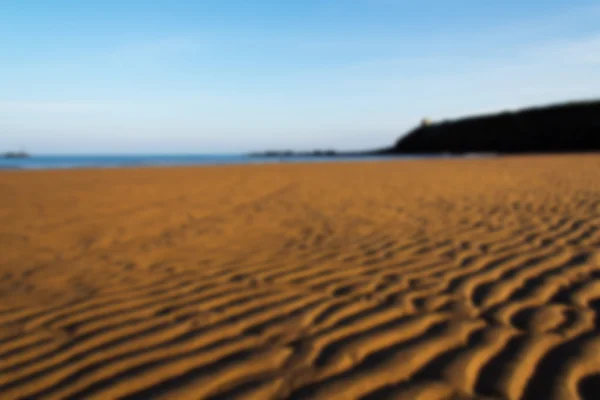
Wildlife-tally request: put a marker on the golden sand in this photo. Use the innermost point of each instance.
(475, 278)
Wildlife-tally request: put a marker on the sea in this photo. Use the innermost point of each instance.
(157, 160)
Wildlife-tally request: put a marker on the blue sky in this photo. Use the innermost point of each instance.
(231, 76)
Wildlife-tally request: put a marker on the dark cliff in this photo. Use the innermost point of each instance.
(571, 127)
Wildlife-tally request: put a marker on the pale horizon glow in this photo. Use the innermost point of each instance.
(229, 77)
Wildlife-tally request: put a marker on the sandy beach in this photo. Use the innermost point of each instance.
(431, 279)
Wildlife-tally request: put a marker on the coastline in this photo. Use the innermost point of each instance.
(158, 161)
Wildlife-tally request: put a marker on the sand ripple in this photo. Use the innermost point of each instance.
(465, 279)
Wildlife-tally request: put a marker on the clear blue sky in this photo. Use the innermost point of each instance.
(133, 76)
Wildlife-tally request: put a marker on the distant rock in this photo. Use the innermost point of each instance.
(290, 153)
(15, 154)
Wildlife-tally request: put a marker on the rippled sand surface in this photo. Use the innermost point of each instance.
(434, 279)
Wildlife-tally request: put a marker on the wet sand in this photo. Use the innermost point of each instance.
(434, 279)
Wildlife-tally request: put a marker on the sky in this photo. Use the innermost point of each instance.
(229, 76)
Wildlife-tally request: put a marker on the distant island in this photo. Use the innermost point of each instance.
(15, 154)
(568, 127)
(290, 153)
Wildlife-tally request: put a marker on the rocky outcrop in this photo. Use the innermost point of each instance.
(14, 154)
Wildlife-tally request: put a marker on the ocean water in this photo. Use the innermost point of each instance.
(117, 161)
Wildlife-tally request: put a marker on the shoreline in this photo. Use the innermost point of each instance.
(302, 161)
(138, 162)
